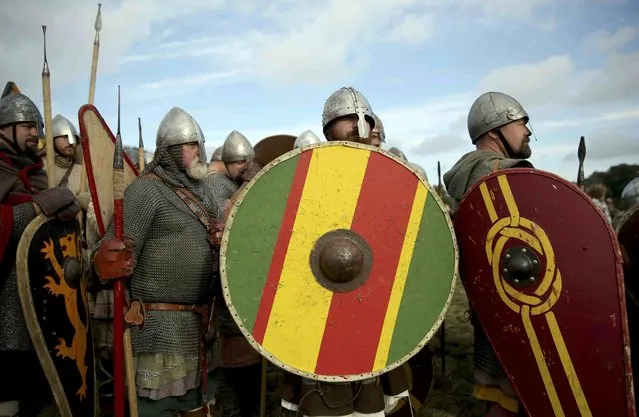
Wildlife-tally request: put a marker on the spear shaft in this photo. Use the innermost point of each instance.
(118, 295)
(46, 96)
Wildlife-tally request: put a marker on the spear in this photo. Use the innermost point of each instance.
(46, 96)
(118, 296)
(442, 331)
(140, 146)
(94, 71)
(96, 51)
(581, 154)
(440, 189)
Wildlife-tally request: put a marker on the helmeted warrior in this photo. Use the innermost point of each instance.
(420, 170)
(398, 153)
(23, 195)
(630, 193)
(216, 165)
(170, 253)
(378, 134)
(497, 125)
(68, 161)
(306, 138)
(240, 363)
(347, 116)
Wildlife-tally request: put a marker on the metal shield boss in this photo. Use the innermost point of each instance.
(338, 262)
(542, 270)
(98, 145)
(52, 290)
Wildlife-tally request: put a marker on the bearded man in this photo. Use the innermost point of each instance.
(68, 166)
(171, 255)
(497, 125)
(23, 195)
(347, 116)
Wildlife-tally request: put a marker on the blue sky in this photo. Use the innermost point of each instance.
(266, 68)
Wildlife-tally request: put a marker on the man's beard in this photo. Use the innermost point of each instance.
(525, 152)
(197, 169)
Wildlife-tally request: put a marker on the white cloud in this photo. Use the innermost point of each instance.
(412, 29)
(605, 41)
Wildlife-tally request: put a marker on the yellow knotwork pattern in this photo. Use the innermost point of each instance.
(543, 298)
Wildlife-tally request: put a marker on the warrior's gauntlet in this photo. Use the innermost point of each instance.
(59, 201)
(114, 259)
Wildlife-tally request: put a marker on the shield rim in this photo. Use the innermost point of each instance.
(628, 380)
(86, 150)
(35, 331)
(236, 317)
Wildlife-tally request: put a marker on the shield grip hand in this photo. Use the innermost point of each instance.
(114, 259)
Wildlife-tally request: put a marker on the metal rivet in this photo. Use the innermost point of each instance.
(531, 279)
(508, 256)
(516, 281)
(523, 250)
(505, 270)
(535, 261)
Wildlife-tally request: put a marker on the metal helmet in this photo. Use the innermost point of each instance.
(237, 148)
(217, 154)
(379, 128)
(18, 108)
(177, 128)
(63, 127)
(492, 110)
(420, 170)
(398, 153)
(630, 193)
(306, 138)
(348, 101)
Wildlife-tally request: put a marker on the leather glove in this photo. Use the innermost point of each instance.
(84, 199)
(59, 201)
(114, 259)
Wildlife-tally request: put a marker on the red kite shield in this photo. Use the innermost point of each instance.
(98, 146)
(542, 269)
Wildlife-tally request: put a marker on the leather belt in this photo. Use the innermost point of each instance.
(202, 310)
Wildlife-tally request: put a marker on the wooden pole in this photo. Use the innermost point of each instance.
(46, 96)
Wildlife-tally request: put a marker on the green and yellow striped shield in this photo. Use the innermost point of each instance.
(338, 262)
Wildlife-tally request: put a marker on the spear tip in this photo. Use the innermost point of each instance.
(141, 142)
(118, 162)
(45, 66)
(98, 19)
(581, 152)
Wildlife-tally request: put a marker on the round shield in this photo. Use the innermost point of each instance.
(52, 292)
(338, 262)
(272, 147)
(542, 269)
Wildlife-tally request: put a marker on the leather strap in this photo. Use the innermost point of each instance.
(201, 310)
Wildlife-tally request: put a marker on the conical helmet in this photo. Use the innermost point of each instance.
(237, 148)
(63, 127)
(397, 152)
(379, 128)
(18, 108)
(492, 110)
(348, 101)
(217, 154)
(306, 138)
(177, 128)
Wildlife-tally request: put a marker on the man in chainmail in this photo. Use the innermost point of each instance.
(347, 116)
(497, 125)
(23, 195)
(67, 158)
(171, 254)
(216, 165)
(240, 363)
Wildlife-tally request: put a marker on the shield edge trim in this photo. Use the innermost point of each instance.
(628, 377)
(35, 331)
(86, 150)
(249, 338)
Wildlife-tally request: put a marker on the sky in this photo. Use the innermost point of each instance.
(267, 68)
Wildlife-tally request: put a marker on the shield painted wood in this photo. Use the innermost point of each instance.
(52, 290)
(98, 145)
(628, 236)
(542, 269)
(338, 262)
(272, 147)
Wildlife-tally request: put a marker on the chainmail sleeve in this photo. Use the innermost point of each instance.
(23, 214)
(219, 189)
